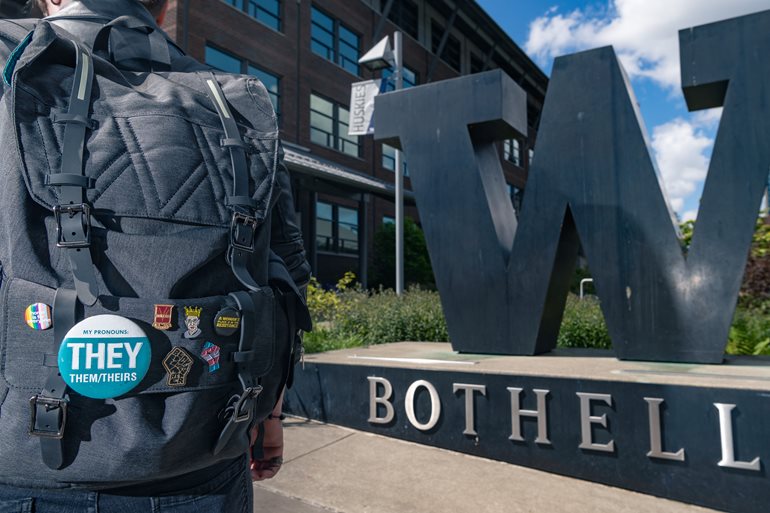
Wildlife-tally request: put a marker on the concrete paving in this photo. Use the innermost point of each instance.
(333, 469)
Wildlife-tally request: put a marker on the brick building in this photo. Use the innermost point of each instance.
(306, 53)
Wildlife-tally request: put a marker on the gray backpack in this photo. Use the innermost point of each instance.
(145, 324)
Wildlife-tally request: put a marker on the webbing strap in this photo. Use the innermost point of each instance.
(73, 214)
(243, 226)
(242, 410)
(48, 416)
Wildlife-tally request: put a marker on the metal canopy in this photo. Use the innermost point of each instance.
(304, 163)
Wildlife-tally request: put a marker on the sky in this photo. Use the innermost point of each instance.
(644, 34)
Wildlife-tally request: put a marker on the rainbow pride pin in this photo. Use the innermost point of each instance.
(38, 316)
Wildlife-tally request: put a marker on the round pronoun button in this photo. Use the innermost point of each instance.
(104, 356)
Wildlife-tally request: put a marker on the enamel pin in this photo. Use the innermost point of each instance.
(38, 316)
(227, 322)
(178, 364)
(210, 353)
(162, 320)
(192, 320)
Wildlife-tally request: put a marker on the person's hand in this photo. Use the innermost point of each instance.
(272, 449)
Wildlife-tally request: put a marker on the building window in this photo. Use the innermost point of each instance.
(388, 220)
(512, 151)
(223, 61)
(410, 79)
(336, 228)
(452, 50)
(334, 41)
(228, 63)
(389, 159)
(406, 15)
(531, 155)
(329, 126)
(516, 194)
(266, 11)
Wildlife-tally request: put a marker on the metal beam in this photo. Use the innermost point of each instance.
(381, 22)
(442, 44)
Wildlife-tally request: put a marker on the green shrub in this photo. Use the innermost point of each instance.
(383, 317)
(323, 339)
(349, 316)
(750, 333)
(583, 324)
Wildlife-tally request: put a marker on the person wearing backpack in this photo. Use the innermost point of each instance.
(152, 270)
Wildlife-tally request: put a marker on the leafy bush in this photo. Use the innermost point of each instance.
(349, 316)
(583, 324)
(750, 333)
(384, 317)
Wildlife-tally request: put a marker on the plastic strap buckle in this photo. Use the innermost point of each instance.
(243, 232)
(50, 404)
(85, 221)
(242, 413)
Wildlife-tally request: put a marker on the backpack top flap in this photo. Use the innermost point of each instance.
(155, 145)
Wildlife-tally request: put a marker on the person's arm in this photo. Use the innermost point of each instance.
(272, 446)
(286, 237)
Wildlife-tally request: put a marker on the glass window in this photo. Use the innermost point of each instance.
(222, 61)
(271, 83)
(333, 41)
(348, 50)
(512, 151)
(329, 126)
(452, 48)
(388, 220)
(336, 228)
(531, 155)
(406, 15)
(322, 34)
(410, 78)
(348, 230)
(229, 63)
(324, 227)
(266, 11)
(389, 159)
(234, 3)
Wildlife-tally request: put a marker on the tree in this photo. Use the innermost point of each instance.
(417, 268)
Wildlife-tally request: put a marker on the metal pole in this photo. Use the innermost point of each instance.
(399, 176)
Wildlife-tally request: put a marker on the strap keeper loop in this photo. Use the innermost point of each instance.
(75, 119)
(69, 179)
(233, 142)
(241, 201)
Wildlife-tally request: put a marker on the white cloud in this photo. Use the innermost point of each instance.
(681, 149)
(643, 32)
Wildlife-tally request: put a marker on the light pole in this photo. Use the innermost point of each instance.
(381, 57)
(399, 75)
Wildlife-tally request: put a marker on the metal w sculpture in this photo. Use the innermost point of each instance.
(504, 283)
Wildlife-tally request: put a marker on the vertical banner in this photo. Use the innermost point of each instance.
(362, 95)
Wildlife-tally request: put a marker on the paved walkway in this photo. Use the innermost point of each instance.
(333, 469)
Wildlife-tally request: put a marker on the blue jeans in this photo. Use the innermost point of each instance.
(228, 492)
